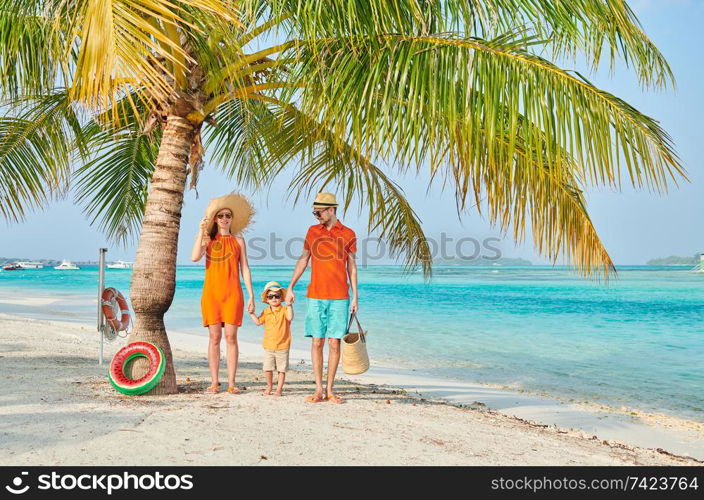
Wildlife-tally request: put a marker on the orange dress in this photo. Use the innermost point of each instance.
(222, 300)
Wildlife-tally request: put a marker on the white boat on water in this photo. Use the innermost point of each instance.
(30, 265)
(66, 265)
(120, 264)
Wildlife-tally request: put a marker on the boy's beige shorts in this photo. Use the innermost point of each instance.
(276, 360)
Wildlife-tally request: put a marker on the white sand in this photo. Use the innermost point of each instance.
(57, 407)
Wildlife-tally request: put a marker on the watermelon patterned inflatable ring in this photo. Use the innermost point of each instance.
(124, 356)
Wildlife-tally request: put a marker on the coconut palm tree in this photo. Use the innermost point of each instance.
(120, 99)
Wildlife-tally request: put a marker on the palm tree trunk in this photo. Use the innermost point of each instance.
(154, 273)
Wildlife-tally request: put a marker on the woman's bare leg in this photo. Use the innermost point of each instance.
(215, 332)
(232, 352)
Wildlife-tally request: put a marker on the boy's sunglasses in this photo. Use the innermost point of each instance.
(273, 296)
(224, 216)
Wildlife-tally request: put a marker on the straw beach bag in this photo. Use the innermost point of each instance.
(355, 359)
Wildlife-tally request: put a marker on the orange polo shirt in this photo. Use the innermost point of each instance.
(328, 252)
(277, 329)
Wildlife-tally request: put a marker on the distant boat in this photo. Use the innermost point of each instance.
(11, 266)
(66, 265)
(120, 264)
(30, 265)
(699, 267)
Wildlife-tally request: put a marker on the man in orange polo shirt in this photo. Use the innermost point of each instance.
(331, 248)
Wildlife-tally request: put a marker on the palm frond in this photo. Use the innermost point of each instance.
(588, 27)
(37, 145)
(238, 143)
(381, 94)
(538, 189)
(113, 185)
(28, 44)
(104, 50)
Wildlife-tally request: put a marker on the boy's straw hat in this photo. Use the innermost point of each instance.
(242, 211)
(325, 200)
(273, 286)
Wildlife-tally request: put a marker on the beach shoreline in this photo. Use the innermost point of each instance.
(428, 429)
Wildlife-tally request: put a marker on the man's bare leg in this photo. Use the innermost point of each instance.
(316, 355)
(333, 361)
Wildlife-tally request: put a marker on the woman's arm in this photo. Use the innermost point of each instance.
(201, 242)
(246, 273)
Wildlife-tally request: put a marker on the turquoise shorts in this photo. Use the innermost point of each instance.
(327, 318)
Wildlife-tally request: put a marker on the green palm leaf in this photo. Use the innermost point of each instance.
(587, 27)
(400, 81)
(113, 184)
(37, 145)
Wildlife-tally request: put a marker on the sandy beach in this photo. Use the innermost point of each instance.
(58, 408)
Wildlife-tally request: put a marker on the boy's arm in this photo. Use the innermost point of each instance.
(255, 319)
(289, 313)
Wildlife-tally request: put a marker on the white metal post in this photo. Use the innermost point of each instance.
(101, 287)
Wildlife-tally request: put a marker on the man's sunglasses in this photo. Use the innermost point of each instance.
(317, 213)
(273, 296)
(224, 216)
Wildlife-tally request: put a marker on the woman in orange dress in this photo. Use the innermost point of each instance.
(222, 302)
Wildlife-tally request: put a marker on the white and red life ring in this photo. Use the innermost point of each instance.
(112, 298)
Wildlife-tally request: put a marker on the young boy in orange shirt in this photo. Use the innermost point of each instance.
(277, 335)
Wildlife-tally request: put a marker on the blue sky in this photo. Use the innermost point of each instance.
(634, 226)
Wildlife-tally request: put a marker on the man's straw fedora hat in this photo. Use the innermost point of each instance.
(324, 200)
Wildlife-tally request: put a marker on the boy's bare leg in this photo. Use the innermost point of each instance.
(269, 381)
(280, 385)
(333, 361)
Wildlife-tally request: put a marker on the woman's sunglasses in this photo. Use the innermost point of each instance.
(273, 296)
(224, 216)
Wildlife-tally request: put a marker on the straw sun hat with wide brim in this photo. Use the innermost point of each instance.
(273, 286)
(242, 212)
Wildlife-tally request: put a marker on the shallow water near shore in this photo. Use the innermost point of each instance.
(636, 342)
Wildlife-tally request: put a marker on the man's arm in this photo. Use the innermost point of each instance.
(298, 271)
(352, 273)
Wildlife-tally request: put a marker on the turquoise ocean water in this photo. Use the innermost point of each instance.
(637, 341)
